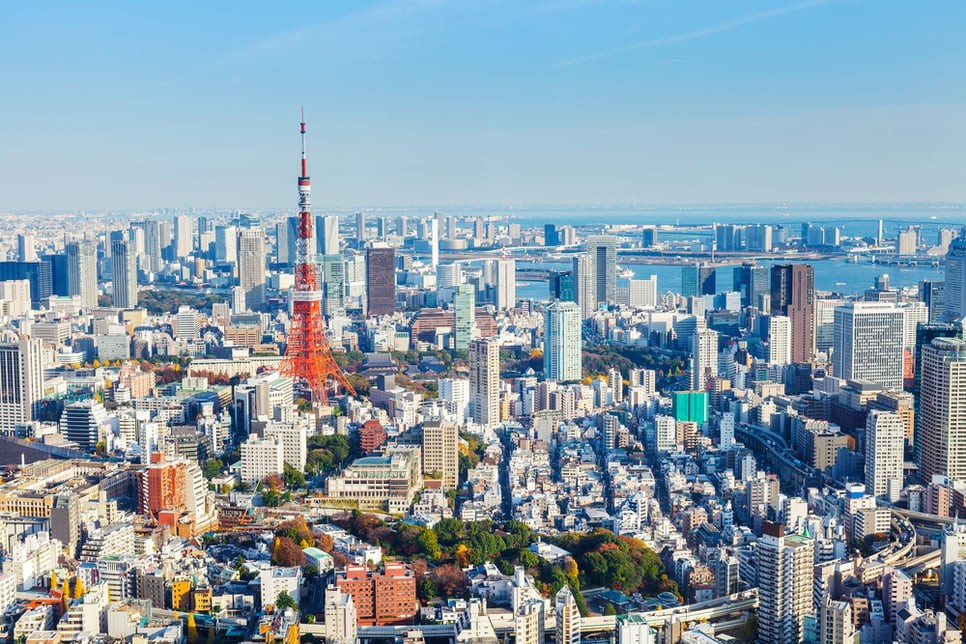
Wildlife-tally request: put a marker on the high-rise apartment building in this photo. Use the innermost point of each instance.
(784, 585)
(381, 280)
(485, 381)
(824, 320)
(779, 340)
(183, 235)
(464, 316)
(941, 432)
(124, 274)
(793, 295)
(884, 444)
(21, 383)
(82, 272)
(562, 342)
(584, 284)
(251, 267)
(341, 619)
(868, 343)
(153, 245)
(567, 617)
(441, 443)
(505, 284)
(226, 244)
(955, 292)
(704, 358)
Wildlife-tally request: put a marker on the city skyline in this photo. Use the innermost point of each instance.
(416, 103)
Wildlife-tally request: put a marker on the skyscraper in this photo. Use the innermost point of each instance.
(183, 235)
(562, 286)
(585, 292)
(505, 284)
(955, 296)
(21, 383)
(784, 585)
(793, 295)
(868, 343)
(153, 244)
(381, 280)
(226, 244)
(327, 235)
(464, 316)
(441, 443)
(751, 281)
(697, 279)
(251, 267)
(286, 234)
(562, 342)
(941, 431)
(485, 381)
(124, 275)
(82, 272)
(932, 293)
(603, 252)
(779, 339)
(649, 237)
(360, 228)
(884, 442)
(550, 237)
(26, 248)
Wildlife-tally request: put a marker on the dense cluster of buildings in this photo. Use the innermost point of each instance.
(799, 447)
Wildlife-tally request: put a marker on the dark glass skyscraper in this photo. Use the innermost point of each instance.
(381, 280)
(793, 295)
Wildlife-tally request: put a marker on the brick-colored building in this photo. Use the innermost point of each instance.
(372, 436)
(161, 486)
(381, 598)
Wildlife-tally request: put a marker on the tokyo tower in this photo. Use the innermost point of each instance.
(308, 355)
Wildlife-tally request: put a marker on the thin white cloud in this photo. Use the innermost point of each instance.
(716, 29)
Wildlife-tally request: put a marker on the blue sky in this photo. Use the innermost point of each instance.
(481, 102)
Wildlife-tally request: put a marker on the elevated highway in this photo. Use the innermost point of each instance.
(702, 611)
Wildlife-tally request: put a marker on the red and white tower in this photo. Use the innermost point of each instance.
(308, 355)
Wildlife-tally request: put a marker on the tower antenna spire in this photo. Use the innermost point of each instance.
(308, 356)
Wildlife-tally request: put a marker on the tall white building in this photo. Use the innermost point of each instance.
(456, 393)
(567, 617)
(941, 432)
(913, 313)
(665, 433)
(183, 236)
(485, 381)
(585, 288)
(441, 443)
(835, 622)
(779, 340)
(21, 383)
(505, 284)
(226, 244)
(704, 357)
(327, 235)
(186, 325)
(124, 274)
(726, 431)
(784, 585)
(868, 343)
(294, 440)
(340, 617)
(251, 267)
(261, 457)
(82, 272)
(884, 442)
(643, 293)
(562, 343)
